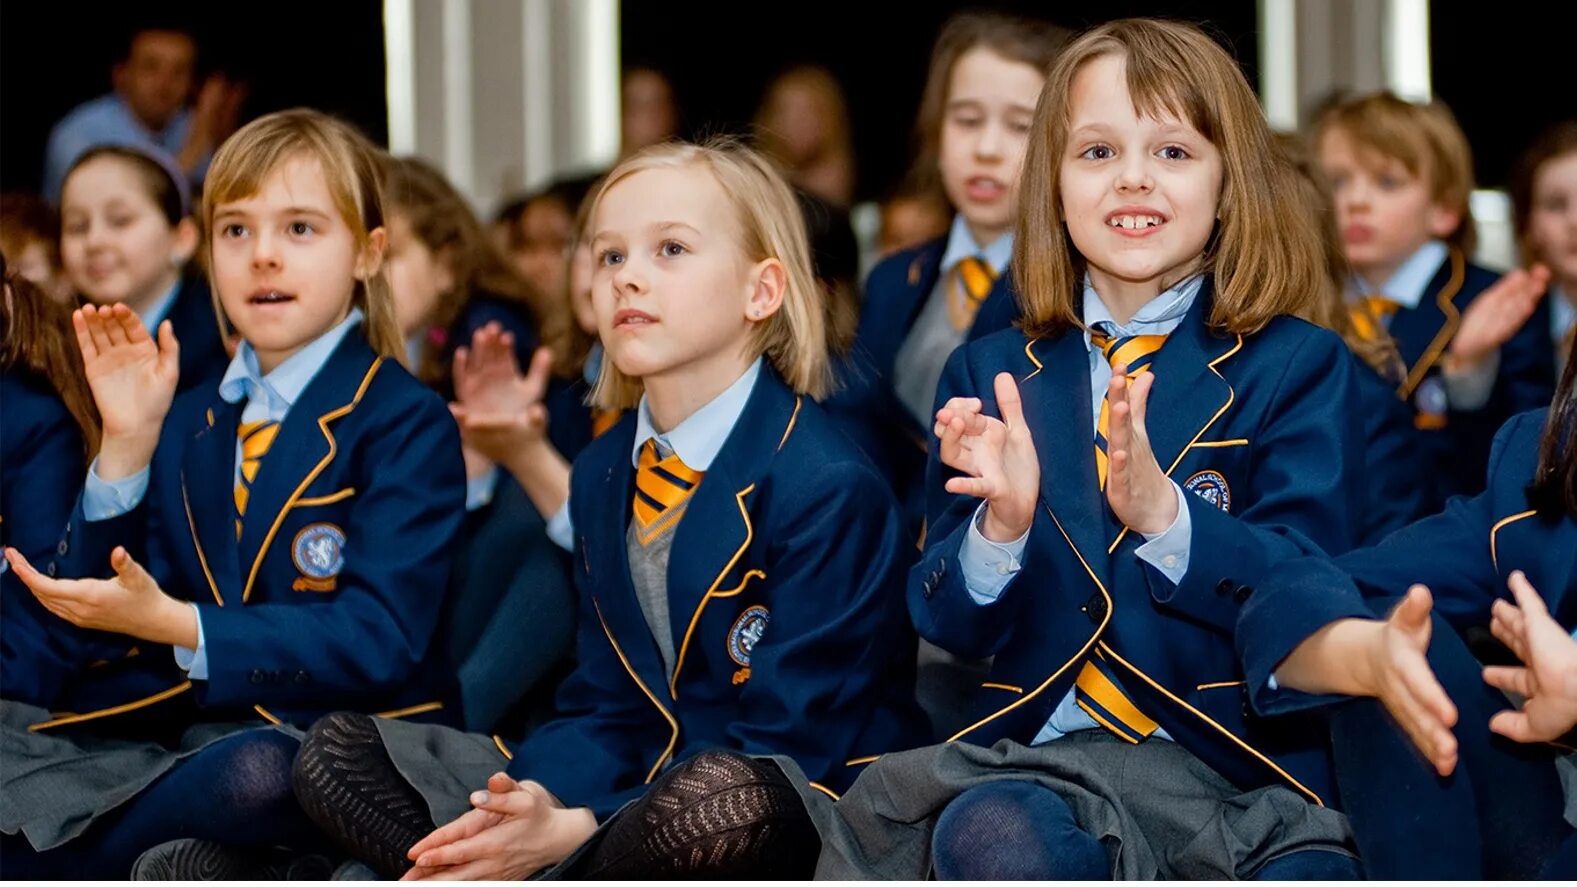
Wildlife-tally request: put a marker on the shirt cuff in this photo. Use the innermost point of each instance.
(1271, 683)
(1167, 550)
(103, 499)
(1471, 390)
(194, 662)
(561, 530)
(988, 566)
(479, 490)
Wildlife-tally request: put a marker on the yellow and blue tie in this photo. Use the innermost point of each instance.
(663, 486)
(256, 437)
(1138, 352)
(972, 282)
(1369, 316)
(1096, 692)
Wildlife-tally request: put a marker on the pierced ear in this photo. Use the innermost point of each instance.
(768, 289)
(370, 258)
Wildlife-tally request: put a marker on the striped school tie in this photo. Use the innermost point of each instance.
(256, 438)
(663, 484)
(1370, 314)
(1137, 352)
(972, 282)
(1096, 693)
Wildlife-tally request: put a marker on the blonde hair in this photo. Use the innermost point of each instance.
(1262, 255)
(1424, 138)
(353, 169)
(770, 226)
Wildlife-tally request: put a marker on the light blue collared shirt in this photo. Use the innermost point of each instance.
(918, 365)
(267, 397)
(697, 440)
(155, 314)
(108, 120)
(988, 566)
(1407, 283)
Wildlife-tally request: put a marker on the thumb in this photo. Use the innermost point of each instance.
(1539, 278)
(126, 566)
(1412, 614)
(1139, 398)
(1008, 402)
(537, 373)
(169, 350)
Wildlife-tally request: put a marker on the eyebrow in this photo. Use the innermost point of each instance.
(226, 211)
(669, 226)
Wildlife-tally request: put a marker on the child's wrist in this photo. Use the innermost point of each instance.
(121, 456)
(999, 529)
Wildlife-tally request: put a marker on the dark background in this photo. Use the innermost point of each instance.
(1505, 78)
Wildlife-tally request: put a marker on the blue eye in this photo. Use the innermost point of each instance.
(1389, 183)
(1098, 152)
(1173, 152)
(610, 257)
(672, 248)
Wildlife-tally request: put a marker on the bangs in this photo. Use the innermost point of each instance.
(244, 163)
(1161, 85)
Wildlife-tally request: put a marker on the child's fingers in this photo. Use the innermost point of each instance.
(1412, 614)
(1139, 398)
(1009, 405)
(169, 350)
(970, 486)
(115, 329)
(1425, 688)
(445, 834)
(96, 328)
(1513, 725)
(32, 578)
(1510, 678)
(1528, 599)
(1508, 627)
(537, 373)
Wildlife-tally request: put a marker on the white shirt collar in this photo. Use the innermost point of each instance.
(698, 439)
(1158, 317)
(1407, 283)
(961, 245)
(244, 377)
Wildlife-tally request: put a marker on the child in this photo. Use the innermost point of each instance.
(543, 234)
(447, 280)
(126, 235)
(912, 216)
(803, 124)
(986, 72)
(50, 433)
(1154, 428)
(30, 236)
(738, 564)
(1503, 818)
(1397, 480)
(1401, 174)
(296, 526)
(1544, 213)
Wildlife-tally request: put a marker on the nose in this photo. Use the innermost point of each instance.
(265, 253)
(1133, 174)
(989, 145)
(628, 278)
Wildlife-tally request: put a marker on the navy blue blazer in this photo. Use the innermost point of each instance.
(42, 463)
(1397, 480)
(1260, 428)
(333, 596)
(1456, 443)
(864, 405)
(196, 327)
(785, 589)
(1464, 554)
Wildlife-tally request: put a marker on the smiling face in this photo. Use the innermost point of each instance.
(1139, 194)
(985, 127)
(116, 244)
(286, 263)
(674, 293)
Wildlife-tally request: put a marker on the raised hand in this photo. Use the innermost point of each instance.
(1495, 316)
(1547, 680)
(997, 457)
(133, 382)
(131, 603)
(498, 409)
(1138, 490)
(1401, 678)
(515, 830)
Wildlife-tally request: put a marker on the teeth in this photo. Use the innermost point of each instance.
(1132, 222)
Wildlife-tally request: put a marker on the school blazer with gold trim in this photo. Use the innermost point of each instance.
(785, 595)
(1259, 432)
(1456, 442)
(333, 595)
(864, 405)
(1464, 554)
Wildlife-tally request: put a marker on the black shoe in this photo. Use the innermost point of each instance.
(190, 859)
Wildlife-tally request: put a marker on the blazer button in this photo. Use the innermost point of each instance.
(257, 676)
(1095, 608)
(1242, 593)
(62, 548)
(927, 589)
(303, 678)
(1224, 587)
(50, 569)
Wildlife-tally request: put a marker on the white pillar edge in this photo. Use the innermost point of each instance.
(1278, 63)
(1406, 48)
(399, 78)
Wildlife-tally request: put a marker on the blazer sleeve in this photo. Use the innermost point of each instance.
(1308, 460)
(376, 630)
(836, 562)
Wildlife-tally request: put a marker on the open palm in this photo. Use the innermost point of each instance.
(132, 378)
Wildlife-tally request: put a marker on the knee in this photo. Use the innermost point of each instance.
(256, 774)
(1014, 830)
(333, 737)
(1311, 865)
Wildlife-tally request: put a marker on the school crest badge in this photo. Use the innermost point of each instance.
(319, 554)
(1211, 487)
(747, 631)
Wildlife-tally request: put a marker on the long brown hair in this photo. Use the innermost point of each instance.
(441, 219)
(36, 336)
(1554, 488)
(1557, 141)
(1262, 256)
(354, 174)
(1329, 306)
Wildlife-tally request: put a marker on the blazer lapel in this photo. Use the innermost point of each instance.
(1188, 395)
(209, 461)
(1058, 411)
(1423, 333)
(716, 529)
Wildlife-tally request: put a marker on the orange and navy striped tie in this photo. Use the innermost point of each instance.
(1369, 316)
(1096, 692)
(1138, 352)
(972, 282)
(663, 486)
(256, 438)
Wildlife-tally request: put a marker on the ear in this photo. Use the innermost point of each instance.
(1443, 220)
(446, 261)
(370, 259)
(768, 286)
(185, 246)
